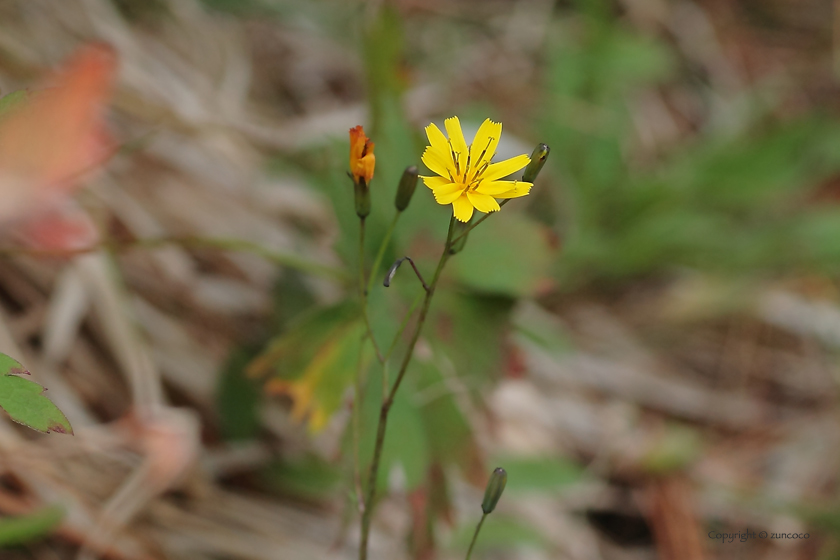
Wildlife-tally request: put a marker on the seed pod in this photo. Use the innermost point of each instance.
(538, 157)
(494, 490)
(405, 191)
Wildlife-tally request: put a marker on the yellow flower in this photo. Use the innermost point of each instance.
(362, 160)
(467, 179)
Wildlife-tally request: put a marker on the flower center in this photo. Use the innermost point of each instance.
(464, 178)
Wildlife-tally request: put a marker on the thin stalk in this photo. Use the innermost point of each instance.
(381, 252)
(363, 291)
(356, 418)
(475, 536)
(388, 401)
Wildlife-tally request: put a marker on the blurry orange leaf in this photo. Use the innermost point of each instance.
(50, 138)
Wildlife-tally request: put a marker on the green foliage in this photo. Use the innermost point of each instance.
(314, 361)
(308, 478)
(733, 200)
(28, 528)
(678, 447)
(539, 474)
(24, 402)
(513, 248)
(237, 398)
(499, 532)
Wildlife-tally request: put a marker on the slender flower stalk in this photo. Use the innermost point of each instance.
(492, 493)
(469, 180)
(388, 400)
(475, 536)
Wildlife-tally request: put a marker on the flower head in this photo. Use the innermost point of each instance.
(467, 178)
(362, 160)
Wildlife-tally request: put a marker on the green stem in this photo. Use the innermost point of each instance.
(363, 291)
(403, 325)
(475, 536)
(381, 252)
(357, 405)
(388, 401)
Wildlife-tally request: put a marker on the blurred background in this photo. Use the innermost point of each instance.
(648, 342)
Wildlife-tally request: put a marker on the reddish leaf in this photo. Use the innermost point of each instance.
(48, 142)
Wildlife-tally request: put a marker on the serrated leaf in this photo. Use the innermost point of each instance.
(24, 402)
(26, 528)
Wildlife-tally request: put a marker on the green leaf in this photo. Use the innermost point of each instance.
(498, 532)
(27, 528)
(507, 255)
(237, 398)
(314, 361)
(309, 478)
(24, 402)
(678, 447)
(538, 474)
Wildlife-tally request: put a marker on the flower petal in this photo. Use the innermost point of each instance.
(456, 139)
(436, 139)
(520, 188)
(505, 168)
(449, 193)
(482, 202)
(462, 208)
(435, 163)
(485, 142)
(435, 182)
(494, 188)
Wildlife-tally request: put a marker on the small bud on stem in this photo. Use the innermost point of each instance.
(405, 191)
(494, 490)
(538, 157)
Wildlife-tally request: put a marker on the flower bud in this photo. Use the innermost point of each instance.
(362, 164)
(405, 191)
(494, 490)
(538, 157)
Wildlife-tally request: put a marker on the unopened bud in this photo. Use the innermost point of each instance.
(362, 194)
(538, 157)
(494, 490)
(405, 191)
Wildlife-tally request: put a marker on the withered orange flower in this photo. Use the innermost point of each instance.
(362, 160)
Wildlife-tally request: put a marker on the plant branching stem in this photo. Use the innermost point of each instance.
(374, 272)
(388, 400)
(475, 536)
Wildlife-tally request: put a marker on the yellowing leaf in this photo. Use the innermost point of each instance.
(314, 362)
